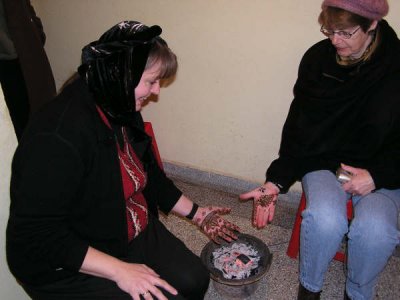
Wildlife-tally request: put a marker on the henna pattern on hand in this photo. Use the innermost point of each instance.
(262, 205)
(266, 200)
(262, 189)
(214, 226)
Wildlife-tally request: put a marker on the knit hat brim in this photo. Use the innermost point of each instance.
(370, 9)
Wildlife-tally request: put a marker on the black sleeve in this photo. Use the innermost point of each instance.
(386, 173)
(385, 166)
(160, 192)
(46, 175)
(281, 173)
(294, 161)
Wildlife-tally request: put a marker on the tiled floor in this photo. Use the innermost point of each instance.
(281, 280)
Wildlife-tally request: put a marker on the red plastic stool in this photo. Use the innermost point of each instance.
(148, 128)
(294, 243)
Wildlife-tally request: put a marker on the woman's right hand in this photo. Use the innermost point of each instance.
(139, 279)
(134, 279)
(264, 202)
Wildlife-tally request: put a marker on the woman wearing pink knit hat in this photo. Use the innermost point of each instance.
(345, 115)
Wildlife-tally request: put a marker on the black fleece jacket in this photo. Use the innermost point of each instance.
(345, 115)
(66, 189)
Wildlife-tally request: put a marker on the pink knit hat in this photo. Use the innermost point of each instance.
(370, 9)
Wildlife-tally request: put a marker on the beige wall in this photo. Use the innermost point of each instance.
(238, 62)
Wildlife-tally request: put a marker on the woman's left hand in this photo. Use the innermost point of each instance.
(361, 182)
(213, 225)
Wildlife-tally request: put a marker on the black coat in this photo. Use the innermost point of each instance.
(345, 115)
(66, 189)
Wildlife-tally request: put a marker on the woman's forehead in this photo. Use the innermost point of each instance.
(153, 71)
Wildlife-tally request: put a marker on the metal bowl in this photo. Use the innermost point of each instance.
(237, 288)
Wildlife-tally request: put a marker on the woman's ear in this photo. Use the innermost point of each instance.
(373, 26)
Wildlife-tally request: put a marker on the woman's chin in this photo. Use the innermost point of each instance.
(138, 106)
(343, 53)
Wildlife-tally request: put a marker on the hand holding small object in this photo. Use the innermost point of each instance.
(343, 176)
(360, 181)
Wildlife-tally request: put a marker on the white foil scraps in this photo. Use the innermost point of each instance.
(236, 260)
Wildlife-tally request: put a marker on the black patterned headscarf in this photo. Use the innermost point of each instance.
(114, 64)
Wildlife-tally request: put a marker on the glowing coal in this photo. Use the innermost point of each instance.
(236, 261)
(237, 267)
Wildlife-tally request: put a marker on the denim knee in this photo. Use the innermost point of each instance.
(375, 235)
(325, 222)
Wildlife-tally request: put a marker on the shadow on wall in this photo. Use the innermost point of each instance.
(9, 288)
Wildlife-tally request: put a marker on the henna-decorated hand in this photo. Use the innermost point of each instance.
(213, 225)
(264, 202)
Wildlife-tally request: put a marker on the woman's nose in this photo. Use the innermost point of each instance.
(155, 88)
(334, 39)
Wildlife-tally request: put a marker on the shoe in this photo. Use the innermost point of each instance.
(305, 294)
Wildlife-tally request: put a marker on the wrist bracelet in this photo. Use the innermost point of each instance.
(190, 216)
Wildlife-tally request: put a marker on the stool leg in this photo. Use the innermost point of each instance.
(340, 256)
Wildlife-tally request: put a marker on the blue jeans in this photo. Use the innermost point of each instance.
(372, 235)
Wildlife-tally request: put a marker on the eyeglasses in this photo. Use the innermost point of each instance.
(340, 33)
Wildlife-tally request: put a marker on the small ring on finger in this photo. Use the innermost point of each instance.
(145, 294)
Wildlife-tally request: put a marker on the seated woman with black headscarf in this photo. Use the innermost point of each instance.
(86, 187)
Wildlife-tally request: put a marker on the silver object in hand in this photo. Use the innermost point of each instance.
(342, 175)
